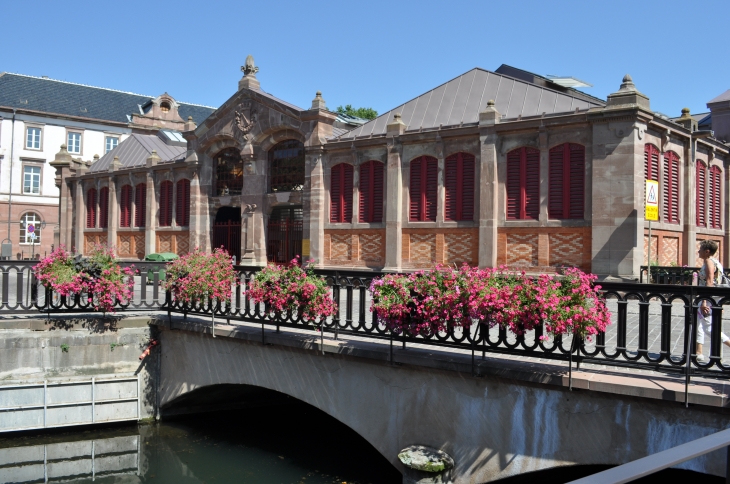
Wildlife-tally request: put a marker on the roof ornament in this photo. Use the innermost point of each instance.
(627, 84)
(318, 102)
(249, 69)
(249, 81)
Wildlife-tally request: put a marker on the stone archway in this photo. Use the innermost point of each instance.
(227, 231)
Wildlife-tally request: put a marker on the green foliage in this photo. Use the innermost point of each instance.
(64, 348)
(114, 345)
(364, 113)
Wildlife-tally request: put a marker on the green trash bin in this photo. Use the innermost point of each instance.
(162, 257)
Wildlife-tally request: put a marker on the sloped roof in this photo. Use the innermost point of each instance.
(460, 100)
(70, 99)
(135, 150)
(725, 96)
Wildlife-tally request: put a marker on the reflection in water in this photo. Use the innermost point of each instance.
(291, 443)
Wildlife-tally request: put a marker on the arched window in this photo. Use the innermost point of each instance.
(523, 184)
(286, 166)
(91, 208)
(567, 181)
(651, 162)
(715, 193)
(165, 214)
(701, 187)
(341, 193)
(671, 187)
(423, 189)
(228, 172)
(371, 191)
(459, 187)
(104, 207)
(30, 218)
(125, 206)
(182, 210)
(140, 205)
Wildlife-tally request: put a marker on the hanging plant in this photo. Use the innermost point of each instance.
(198, 276)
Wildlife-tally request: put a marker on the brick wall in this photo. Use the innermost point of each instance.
(665, 247)
(91, 238)
(130, 245)
(175, 242)
(542, 249)
(422, 248)
(354, 248)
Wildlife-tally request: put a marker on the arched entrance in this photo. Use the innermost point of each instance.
(227, 231)
(284, 234)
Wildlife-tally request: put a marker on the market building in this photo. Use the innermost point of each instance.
(489, 168)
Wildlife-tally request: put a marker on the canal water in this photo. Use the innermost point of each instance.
(285, 443)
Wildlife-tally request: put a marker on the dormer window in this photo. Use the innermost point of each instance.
(165, 107)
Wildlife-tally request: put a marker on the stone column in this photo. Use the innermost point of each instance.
(489, 186)
(314, 230)
(113, 214)
(544, 174)
(394, 197)
(79, 219)
(689, 220)
(150, 241)
(62, 164)
(253, 241)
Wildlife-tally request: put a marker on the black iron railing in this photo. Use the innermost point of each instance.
(671, 274)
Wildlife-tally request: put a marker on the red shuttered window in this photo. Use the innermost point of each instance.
(140, 205)
(523, 184)
(715, 193)
(91, 208)
(651, 162)
(671, 187)
(341, 193)
(567, 181)
(125, 206)
(459, 187)
(423, 189)
(182, 209)
(371, 191)
(165, 217)
(104, 208)
(701, 206)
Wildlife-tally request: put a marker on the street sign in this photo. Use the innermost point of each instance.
(652, 200)
(32, 236)
(31, 228)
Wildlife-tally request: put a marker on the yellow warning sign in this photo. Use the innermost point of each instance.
(652, 200)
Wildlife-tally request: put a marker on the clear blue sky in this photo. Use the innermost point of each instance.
(375, 53)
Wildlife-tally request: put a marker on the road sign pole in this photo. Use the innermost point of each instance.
(648, 277)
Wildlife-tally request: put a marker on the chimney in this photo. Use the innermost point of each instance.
(720, 112)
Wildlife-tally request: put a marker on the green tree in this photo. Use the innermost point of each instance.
(364, 113)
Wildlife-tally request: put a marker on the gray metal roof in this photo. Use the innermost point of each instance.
(460, 100)
(274, 98)
(135, 150)
(70, 99)
(725, 96)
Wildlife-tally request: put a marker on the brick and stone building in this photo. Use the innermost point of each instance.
(490, 168)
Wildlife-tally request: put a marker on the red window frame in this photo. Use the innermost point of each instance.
(566, 190)
(91, 208)
(104, 208)
(372, 182)
(182, 210)
(140, 205)
(423, 189)
(701, 198)
(651, 162)
(125, 206)
(165, 213)
(715, 201)
(670, 191)
(523, 184)
(459, 178)
(341, 193)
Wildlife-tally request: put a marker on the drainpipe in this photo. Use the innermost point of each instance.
(10, 191)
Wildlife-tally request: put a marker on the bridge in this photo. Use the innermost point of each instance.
(500, 405)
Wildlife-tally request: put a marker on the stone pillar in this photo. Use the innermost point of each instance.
(394, 197)
(544, 174)
(113, 214)
(150, 239)
(79, 219)
(314, 230)
(62, 164)
(618, 183)
(689, 221)
(489, 186)
(253, 240)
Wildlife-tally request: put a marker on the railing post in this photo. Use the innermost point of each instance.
(727, 465)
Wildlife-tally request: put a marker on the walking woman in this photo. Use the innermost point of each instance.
(710, 275)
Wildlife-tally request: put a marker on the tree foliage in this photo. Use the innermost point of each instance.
(364, 113)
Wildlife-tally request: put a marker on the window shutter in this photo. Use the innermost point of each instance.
(459, 187)
(715, 197)
(671, 187)
(415, 190)
(513, 184)
(335, 194)
(347, 172)
(701, 198)
(468, 177)
(140, 205)
(424, 186)
(182, 210)
(451, 186)
(531, 174)
(575, 186)
(556, 188)
(165, 214)
(125, 212)
(91, 208)
(104, 208)
(431, 188)
(523, 183)
(651, 162)
(371, 192)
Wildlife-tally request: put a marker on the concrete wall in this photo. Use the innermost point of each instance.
(493, 427)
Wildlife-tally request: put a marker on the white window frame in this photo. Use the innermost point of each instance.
(107, 140)
(34, 166)
(32, 145)
(24, 239)
(71, 146)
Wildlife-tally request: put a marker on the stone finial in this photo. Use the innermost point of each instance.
(685, 113)
(490, 116)
(249, 70)
(397, 126)
(63, 157)
(687, 120)
(318, 102)
(96, 158)
(627, 96)
(153, 159)
(190, 124)
(115, 164)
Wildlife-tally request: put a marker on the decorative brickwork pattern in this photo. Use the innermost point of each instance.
(103, 239)
(423, 247)
(93, 238)
(139, 246)
(372, 248)
(522, 249)
(565, 249)
(670, 251)
(183, 243)
(719, 255)
(459, 248)
(341, 247)
(164, 243)
(124, 247)
(654, 246)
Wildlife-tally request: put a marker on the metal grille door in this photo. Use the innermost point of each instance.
(228, 235)
(284, 240)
